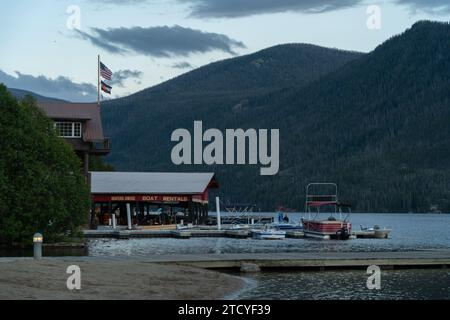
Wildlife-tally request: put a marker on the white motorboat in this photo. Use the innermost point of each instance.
(375, 232)
(268, 234)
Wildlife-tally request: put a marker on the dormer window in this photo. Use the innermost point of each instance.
(68, 129)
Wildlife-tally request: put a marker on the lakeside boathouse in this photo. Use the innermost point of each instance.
(150, 198)
(128, 198)
(80, 125)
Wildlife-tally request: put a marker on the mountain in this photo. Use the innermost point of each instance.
(20, 94)
(141, 124)
(276, 67)
(376, 123)
(218, 91)
(378, 126)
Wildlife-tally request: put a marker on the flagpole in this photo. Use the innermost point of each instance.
(98, 81)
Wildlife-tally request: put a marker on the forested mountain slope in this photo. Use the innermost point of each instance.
(377, 124)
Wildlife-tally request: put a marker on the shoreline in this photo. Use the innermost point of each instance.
(249, 284)
(181, 277)
(116, 279)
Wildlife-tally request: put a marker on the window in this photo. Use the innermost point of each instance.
(77, 129)
(68, 129)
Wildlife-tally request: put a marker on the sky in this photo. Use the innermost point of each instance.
(50, 47)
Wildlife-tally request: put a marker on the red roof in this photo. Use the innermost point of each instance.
(88, 113)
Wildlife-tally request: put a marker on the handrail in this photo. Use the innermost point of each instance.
(103, 145)
(333, 200)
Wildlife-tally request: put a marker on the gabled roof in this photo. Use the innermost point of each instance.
(151, 182)
(89, 113)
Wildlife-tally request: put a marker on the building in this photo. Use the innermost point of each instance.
(150, 198)
(80, 125)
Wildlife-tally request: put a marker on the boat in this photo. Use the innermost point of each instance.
(268, 234)
(284, 223)
(376, 232)
(286, 226)
(324, 196)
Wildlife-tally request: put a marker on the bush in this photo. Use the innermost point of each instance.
(41, 185)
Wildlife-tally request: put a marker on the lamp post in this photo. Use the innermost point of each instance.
(37, 245)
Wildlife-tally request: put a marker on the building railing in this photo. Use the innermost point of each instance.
(104, 146)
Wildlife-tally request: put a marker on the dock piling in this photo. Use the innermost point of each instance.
(219, 226)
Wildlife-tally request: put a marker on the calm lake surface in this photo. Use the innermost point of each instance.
(409, 232)
(342, 284)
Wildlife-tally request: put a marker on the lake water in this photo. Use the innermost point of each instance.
(395, 285)
(409, 232)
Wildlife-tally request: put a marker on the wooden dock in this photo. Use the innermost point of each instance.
(320, 261)
(197, 233)
(180, 234)
(285, 261)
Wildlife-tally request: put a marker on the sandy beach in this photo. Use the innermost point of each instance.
(111, 279)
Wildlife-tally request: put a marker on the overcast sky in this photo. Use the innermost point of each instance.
(145, 42)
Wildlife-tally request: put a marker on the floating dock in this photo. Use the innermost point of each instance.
(437, 259)
(320, 261)
(180, 234)
(197, 233)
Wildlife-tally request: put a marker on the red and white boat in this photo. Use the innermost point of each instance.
(326, 219)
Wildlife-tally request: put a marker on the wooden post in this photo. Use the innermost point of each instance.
(129, 216)
(98, 81)
(191, 215)
(202, 213)
(109, 208)
(86, 164)
(91, 215)
(196, 214)
(219, 225)
(138, 212)
(114, 222)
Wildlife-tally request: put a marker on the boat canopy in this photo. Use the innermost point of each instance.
(328, 203)
(321, 203)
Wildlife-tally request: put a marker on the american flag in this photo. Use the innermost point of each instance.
(105, 72)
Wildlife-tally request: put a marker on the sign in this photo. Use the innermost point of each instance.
(143, 198)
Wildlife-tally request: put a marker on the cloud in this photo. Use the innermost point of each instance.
(430, 6)
(60, 87)
(182, 65)
(240, 8)
(99, 42)
(119, 77)
(161, 41)
(120, 2)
